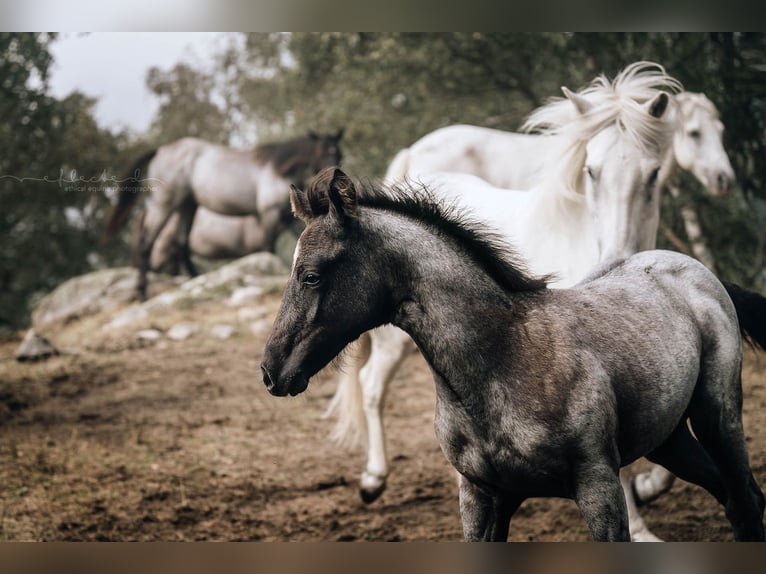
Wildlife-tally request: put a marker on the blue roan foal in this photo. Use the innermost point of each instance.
(539, 392)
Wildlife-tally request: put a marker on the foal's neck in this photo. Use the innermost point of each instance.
(458, 315)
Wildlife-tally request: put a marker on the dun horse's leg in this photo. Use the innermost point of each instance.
(389, 348)
(650, 484)
(717, 421)
(600, 499)
(186, 214)
(485, 518)
(155, 220)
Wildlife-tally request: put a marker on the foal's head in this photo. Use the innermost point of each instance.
(334, 293)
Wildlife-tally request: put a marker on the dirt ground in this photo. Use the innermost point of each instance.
(123, 440)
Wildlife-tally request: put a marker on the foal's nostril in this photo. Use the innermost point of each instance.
(267, 378)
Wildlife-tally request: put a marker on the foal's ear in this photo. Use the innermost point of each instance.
(658, 105)
(342, 195)
(581, 104)
(299, 201)
(339, 134)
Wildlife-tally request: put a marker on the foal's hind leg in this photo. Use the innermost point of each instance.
(716, 417)
(685, 457)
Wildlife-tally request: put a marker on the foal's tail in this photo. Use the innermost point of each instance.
(751, 312)
(127, 195)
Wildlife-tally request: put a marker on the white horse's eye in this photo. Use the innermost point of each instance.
(590, 171)
(695, 134)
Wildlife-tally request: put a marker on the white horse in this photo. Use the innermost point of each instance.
(598, 199)
(518, 160)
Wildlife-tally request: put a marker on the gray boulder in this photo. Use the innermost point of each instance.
(34, 347)
(95, 292)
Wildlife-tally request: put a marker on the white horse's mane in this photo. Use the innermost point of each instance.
(619, 101)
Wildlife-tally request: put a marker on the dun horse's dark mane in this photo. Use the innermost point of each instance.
(488, 248)
(288, 157)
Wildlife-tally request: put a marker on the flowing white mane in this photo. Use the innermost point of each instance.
(617, 102)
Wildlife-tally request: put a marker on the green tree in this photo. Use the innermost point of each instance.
(50, 228)
(187, 106)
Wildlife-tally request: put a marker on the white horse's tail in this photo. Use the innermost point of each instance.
(350, 430)
(398, 168)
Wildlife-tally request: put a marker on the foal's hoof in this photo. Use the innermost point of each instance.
(371, 487)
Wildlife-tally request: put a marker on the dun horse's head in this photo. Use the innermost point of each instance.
(327, 301)
(325, 151)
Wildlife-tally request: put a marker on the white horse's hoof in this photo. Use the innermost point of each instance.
(644, 536)
(371, 486)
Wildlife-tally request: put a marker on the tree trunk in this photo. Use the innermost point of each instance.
(697, 242)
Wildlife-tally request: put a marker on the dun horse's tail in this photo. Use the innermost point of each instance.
(751, 312)
(126, 198)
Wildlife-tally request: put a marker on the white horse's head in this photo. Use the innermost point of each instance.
(698, 143)
(614, 145)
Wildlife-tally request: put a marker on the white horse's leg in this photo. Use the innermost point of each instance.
(639, 531)
(652, 483)
(389, 348)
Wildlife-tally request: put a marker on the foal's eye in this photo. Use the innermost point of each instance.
(311, 279)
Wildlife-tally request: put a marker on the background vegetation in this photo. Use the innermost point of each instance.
(386, 89)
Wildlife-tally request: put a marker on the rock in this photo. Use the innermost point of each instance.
(181, 331)
(149, 334)
(34, 347)
(95, 292)
(260, 328)
(248, 277)
(249, 314)
(222, 332)
(244, 295)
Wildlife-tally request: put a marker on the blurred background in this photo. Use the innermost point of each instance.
(77, 109)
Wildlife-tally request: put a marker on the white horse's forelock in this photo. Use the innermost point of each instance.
(687, 101)
(621, 102)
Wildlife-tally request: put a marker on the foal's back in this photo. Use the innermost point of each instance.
(656, 325)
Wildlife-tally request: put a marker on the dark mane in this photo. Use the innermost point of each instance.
(291, 159)
(487, 247)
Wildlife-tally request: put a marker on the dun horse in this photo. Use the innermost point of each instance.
(191, 172)
(540, 392)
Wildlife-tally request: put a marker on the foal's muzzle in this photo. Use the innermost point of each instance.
(292, 386)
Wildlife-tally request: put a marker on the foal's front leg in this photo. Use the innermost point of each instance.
(601, 501)
(485, 518)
